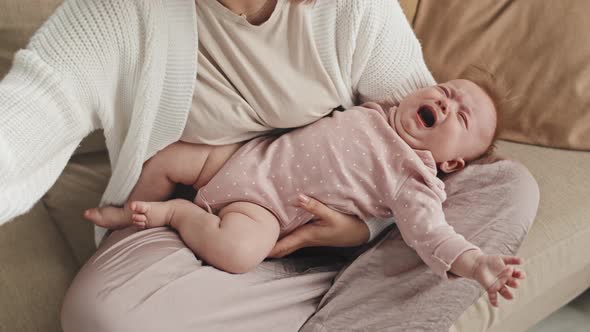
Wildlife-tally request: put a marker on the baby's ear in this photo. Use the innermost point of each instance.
(451, 166)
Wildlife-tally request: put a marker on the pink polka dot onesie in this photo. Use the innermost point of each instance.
(353, 161)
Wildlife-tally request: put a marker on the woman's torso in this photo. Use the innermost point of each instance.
(254, 78)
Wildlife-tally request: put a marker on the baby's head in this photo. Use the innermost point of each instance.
(456, 121)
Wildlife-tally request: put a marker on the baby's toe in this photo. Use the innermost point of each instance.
(93, 215)
(139, 218)
(140, 207)
(140, 224)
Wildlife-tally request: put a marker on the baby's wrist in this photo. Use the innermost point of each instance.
(476, 263)
(464, 266)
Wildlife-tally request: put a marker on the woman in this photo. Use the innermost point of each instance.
(129, 67)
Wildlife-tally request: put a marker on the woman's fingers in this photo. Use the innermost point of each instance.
(300, 238)
(316, 208)
(283, 248)
(333, 228)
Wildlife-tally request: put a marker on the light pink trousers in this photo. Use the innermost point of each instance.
(150, 281)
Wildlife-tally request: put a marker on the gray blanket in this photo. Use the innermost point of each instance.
(388, 288)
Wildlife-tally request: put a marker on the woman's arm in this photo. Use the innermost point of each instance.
(51, 98)
(388, 59)
(40, 127)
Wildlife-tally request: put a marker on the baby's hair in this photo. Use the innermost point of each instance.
(498, 91)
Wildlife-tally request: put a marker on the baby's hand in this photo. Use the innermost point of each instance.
(495, 273)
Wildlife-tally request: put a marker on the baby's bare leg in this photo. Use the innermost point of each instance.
(235, 241)
(178, 163)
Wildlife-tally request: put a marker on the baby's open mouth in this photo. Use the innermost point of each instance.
(427, 116)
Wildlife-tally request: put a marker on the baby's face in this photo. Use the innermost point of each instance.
(455, 121)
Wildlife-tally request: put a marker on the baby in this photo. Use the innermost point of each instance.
(374, 160)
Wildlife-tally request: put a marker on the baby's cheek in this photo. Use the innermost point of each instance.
(455, 145)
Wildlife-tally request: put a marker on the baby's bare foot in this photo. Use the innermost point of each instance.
(150, 214)
(109, 217)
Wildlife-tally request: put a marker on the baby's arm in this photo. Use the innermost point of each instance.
(421, 221)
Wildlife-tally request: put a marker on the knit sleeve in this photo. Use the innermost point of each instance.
(40, 127)
(388, 60)
(48, 101)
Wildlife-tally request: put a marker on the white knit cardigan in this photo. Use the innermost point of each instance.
(129, 67)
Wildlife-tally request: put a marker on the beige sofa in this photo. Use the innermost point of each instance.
(41, 251)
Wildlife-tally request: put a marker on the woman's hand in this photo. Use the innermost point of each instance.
(329, 228)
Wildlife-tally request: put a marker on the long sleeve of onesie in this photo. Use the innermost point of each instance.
(421, 222)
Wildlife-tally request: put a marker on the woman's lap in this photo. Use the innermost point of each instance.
(492, 205)
(150, 281)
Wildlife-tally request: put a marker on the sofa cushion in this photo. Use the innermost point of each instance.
(409, 7)
(78, 188)
(540, 47)
(555, 250)
(36, 268)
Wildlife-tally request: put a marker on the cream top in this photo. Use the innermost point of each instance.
(255, 78)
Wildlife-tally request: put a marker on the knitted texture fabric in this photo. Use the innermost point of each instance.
(129, 67)
(125, 66)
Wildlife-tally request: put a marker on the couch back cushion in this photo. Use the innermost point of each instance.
(409, 7)
(541, 48)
